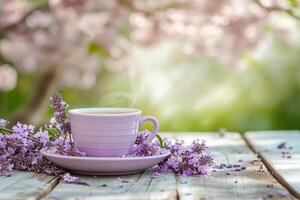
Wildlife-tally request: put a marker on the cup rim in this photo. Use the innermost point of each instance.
(121, 112)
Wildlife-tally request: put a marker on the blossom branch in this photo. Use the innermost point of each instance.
(277, 8)
(12, 26)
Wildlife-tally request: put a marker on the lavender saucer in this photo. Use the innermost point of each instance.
(105, 165)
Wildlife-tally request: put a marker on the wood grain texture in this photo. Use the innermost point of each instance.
(253, 183)
(25, 185)
(283, 162)
(139, 186)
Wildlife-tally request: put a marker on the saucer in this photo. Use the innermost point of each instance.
(105, 165)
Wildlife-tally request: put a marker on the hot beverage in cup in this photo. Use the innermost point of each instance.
(107, 131)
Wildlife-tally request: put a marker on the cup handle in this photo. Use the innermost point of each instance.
(153, 133)
(155, 124)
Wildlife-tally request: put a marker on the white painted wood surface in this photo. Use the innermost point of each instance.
(25, 185)
(253, 183)
(283, 162)
(139, 186)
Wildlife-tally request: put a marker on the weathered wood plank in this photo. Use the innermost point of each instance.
(255, 182)
(139, 186)
(25, 185)
(283, 161)
(96, 186)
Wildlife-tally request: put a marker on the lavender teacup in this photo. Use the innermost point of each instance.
(103, 132)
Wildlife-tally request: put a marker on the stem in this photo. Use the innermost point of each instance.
(6, 129)
(71, 140)
(11, 131)
(66, 135)
(268, 8)
(33, 139)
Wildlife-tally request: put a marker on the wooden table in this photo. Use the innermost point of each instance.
(277, 176)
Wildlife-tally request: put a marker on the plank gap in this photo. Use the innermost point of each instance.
(269, 167)
(52, 184)
(255, 182)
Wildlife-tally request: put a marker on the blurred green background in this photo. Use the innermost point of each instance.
(186, 92)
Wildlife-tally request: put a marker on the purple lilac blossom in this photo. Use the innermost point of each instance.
(147, 148)
(63, 147)
(60, 119)
(43, 137)
(282, 145)
(68, 178)
(20, 148)
(22, 130)
(186, 160)
(3, 122)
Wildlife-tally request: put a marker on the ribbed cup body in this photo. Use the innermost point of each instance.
(104, 131)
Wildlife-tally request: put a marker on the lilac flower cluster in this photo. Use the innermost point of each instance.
(68, 178)
(60, 119)
(20, 148)
(3, 122)
(146, 148)
(186, 160)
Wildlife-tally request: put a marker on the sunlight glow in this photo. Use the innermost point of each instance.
(159, 86)
(221, 95)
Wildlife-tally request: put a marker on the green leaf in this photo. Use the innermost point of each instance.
(5, 130)
(160, 141)
(53, 132)
(95, 49)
